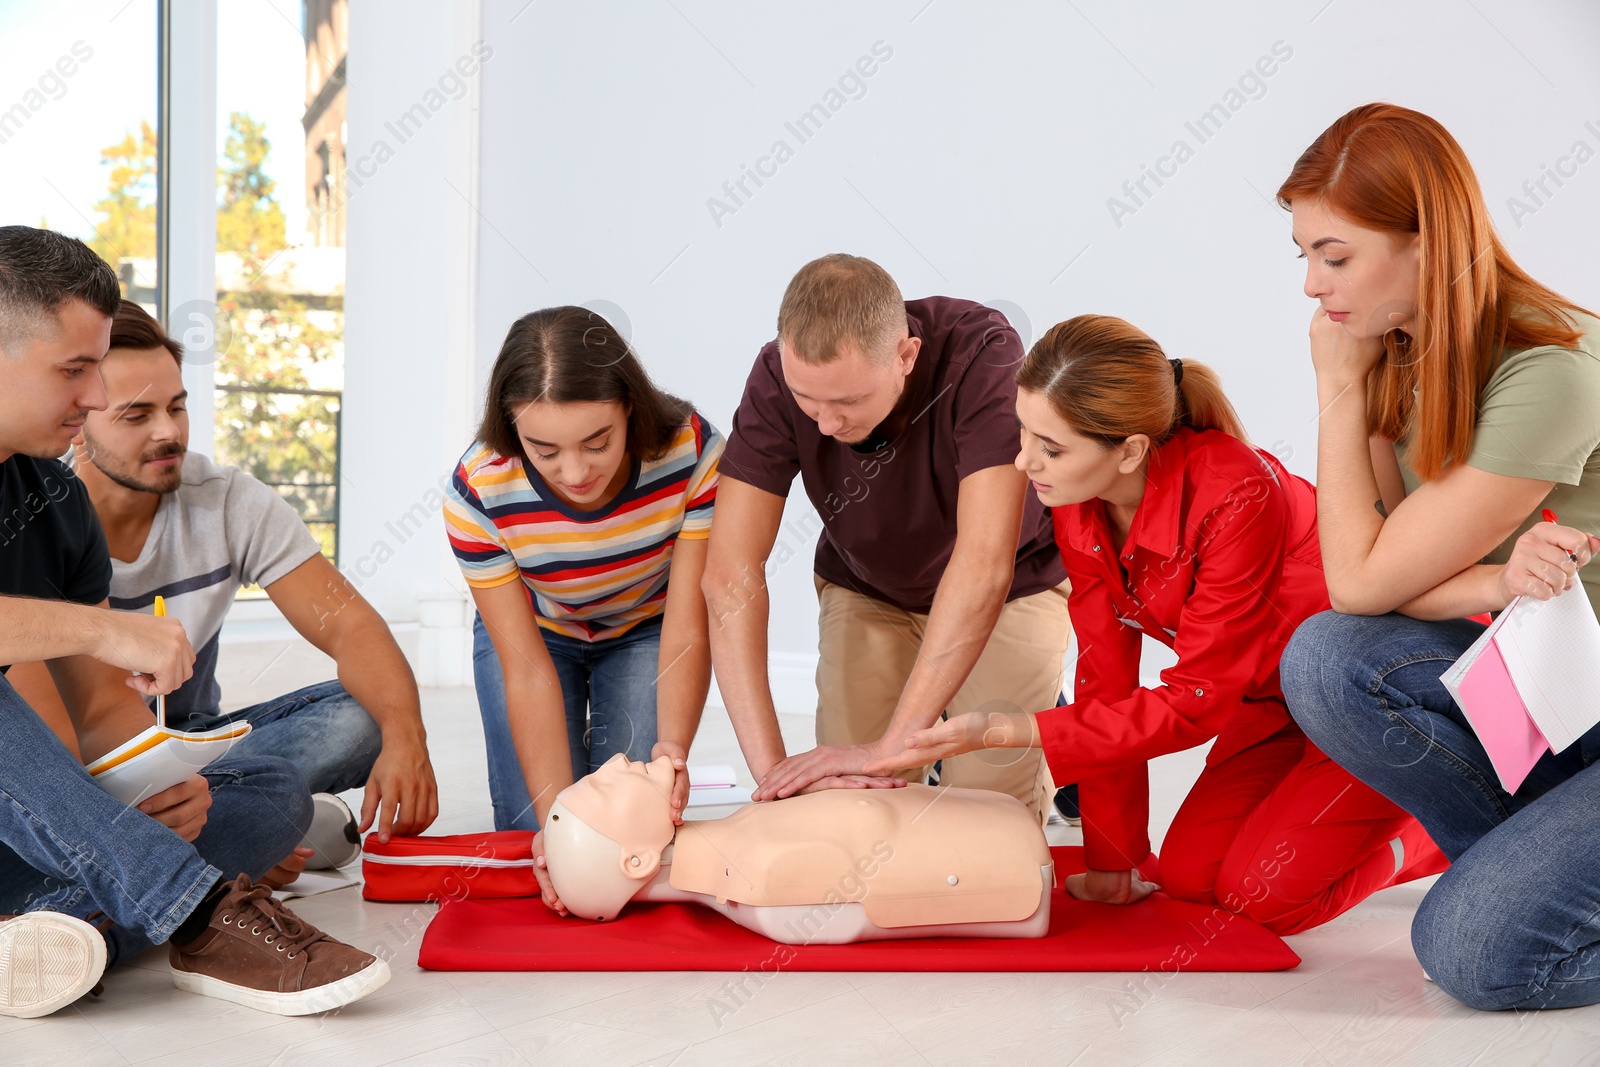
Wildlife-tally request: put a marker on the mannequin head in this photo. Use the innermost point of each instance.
(606, 833)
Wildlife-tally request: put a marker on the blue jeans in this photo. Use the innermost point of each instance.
(320, 729)
(609, 688)
(67, 845)
(1515, 921)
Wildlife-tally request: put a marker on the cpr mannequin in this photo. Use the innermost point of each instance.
(831, 867)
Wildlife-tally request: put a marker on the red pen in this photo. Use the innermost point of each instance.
(1549, 516)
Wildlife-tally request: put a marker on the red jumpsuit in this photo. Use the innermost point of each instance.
(1221, 564)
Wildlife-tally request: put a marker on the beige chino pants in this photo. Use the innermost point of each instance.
(868, 649)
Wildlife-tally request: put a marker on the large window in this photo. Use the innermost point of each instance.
(280, 250)
(79, 100)
(78, 108)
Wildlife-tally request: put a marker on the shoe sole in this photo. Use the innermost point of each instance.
(47, 961)
(347, 990)
(332, 829)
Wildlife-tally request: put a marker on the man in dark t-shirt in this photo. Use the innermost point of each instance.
(177, 866)
(939, 582)
(179, 527)
(51, 547)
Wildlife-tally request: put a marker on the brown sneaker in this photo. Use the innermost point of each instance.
(47, 961)
(258, 953)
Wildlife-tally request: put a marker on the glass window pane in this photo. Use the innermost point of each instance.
(280, 250)
(78, 109)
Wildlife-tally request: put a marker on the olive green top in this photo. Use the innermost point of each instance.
(1539, 417)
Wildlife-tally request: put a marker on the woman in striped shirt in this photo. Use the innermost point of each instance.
(587, 490)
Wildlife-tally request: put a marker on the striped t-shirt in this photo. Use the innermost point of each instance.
(591, 574)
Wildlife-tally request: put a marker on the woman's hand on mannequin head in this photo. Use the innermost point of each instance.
(680, 776)
(1110, 887)
(961, 733)
(1338, 356)
(541, 871)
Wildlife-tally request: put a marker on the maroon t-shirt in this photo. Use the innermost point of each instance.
(888, 505)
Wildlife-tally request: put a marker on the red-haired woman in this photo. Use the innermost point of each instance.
(1459, 398)
(1171, 525)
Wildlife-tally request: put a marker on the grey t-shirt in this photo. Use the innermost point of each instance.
(221, 530)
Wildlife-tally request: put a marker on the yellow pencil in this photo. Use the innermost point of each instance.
(161, 701)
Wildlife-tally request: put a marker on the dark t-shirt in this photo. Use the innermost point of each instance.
(51, 544)
(889, 516)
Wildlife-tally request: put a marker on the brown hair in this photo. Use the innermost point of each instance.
(1110, 380)
(132, 327)
(40, 270)
(837, 300)
(1389, 168)
(571, 355)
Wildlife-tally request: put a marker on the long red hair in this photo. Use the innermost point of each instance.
(1388, 168)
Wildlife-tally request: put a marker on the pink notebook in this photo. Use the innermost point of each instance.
(1529, 683)
(1486, 692)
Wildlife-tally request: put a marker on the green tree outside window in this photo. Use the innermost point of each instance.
(271, 420)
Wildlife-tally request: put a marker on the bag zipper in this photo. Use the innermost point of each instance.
(444, 861)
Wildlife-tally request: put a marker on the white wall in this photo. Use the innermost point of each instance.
(409, 391)
(979, 162)
(189, 287)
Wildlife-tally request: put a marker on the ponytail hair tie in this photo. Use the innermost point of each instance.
(1177, 371)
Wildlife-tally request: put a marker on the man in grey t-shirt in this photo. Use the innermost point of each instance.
(185, 529)
(178, 867)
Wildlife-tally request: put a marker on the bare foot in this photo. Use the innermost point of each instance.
(287, 870)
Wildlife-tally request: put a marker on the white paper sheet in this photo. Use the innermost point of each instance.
(712, 797)
(1552, 651)
(711, 776)
(310, 883)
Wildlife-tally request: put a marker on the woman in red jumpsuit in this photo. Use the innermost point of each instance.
(1171, 525)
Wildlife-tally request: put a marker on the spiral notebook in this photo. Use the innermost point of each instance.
(159, 758)
(1531, 683)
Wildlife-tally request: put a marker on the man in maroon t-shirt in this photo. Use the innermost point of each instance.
(939, 583)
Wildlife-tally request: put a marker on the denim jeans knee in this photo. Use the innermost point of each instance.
(321, 729)
(1317, 671)
(1515, 922)
(1450, 937)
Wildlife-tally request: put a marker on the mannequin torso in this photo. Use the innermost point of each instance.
(831, 867)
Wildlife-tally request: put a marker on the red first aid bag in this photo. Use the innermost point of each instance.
(457, 867)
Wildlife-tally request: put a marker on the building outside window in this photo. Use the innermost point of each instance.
(280, 252)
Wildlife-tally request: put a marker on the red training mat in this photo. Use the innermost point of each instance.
(1157, 934)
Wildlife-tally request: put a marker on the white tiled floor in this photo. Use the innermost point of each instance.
(1359, 997)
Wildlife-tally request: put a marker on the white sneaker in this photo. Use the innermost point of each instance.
(333, 833)
(47, 961)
